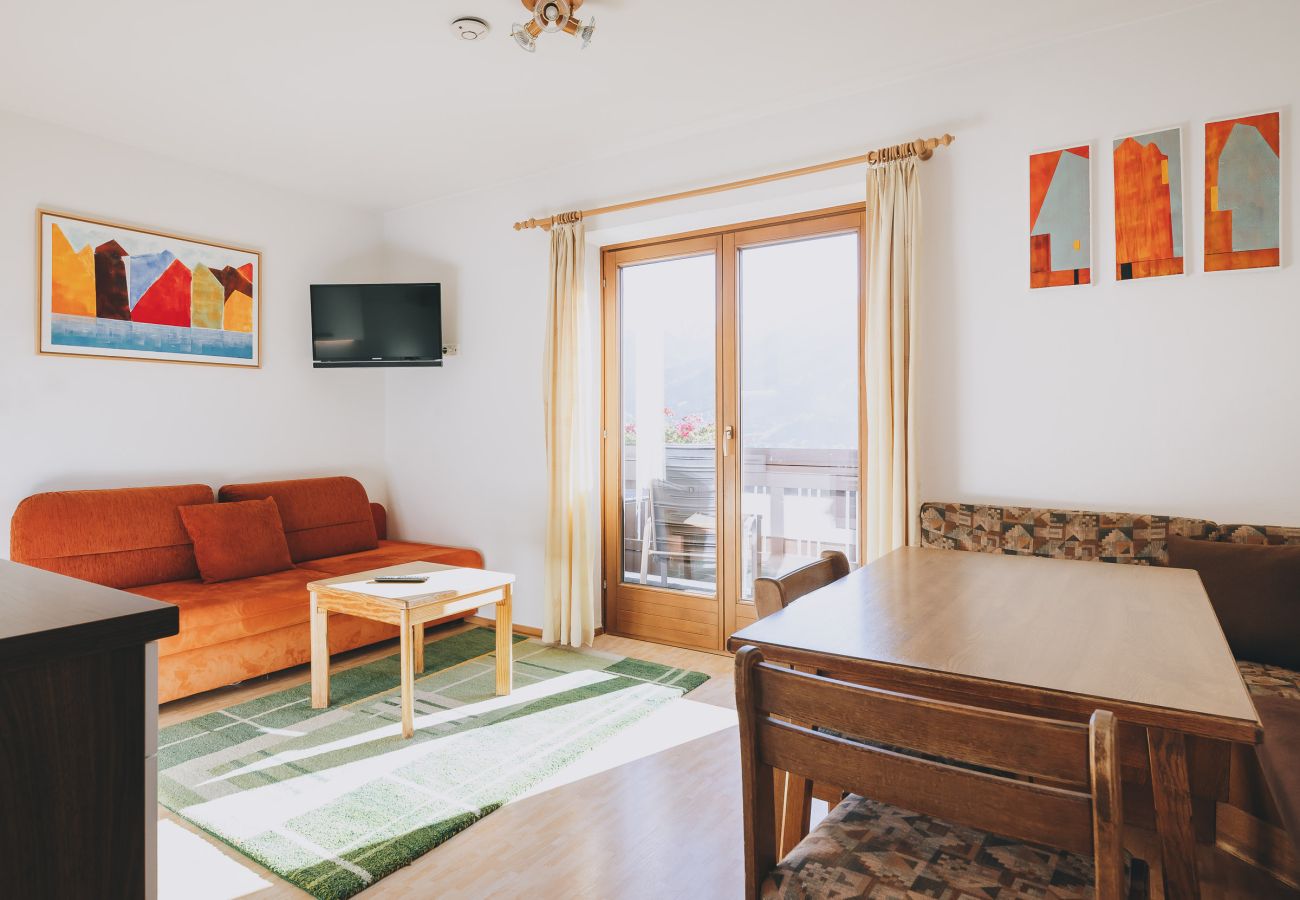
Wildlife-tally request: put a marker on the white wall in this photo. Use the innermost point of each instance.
(82, 423)
(1174, 395)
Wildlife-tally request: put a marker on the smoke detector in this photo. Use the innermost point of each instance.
(469, 28)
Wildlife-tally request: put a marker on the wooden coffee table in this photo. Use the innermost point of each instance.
(448, 590)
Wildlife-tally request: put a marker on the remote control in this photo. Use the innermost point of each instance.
(401, 579)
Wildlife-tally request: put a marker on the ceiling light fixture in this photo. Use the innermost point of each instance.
(549, 17)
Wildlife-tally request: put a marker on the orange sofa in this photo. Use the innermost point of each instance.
(133, 539)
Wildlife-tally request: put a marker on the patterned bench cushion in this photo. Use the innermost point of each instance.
(1270, 681)
(1259, 534)
(1056, 533)
(869, 849)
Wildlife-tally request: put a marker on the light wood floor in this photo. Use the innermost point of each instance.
(664, 826)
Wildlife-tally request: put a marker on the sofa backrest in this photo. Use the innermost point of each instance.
(122, 538)
(322, 516)
(1138, 539)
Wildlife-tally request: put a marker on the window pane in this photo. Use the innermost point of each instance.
(799, 404)
(669, 417)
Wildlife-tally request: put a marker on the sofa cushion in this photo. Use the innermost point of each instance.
(392, 553)
(188, 672)
(1279, 758)
(1056, 533)
(1255, 590)
(868, 849)
(322, 516)
(122, 537)
(380, 517)
(215, 613)
(237, 540)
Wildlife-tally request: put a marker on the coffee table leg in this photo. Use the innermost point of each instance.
(407, 664)
(505, 643)
(418, 650)
(1171, 790)
(320, 656)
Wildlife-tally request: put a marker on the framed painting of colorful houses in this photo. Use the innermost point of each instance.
(1060, 217)
(119, 291)
(1148, 204)
(1243, 193)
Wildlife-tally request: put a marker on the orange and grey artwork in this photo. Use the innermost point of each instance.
(1149, 204)
(1243, 193)
(1060, 218)
(113, 290)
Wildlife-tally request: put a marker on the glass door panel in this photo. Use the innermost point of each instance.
(668, 423)
(799, 398)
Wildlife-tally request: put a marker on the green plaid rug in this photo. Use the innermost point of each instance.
(334, 799)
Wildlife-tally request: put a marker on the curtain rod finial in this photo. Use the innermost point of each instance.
(545, 224)
(925, 148)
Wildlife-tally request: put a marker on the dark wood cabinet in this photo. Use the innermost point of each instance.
(78, 736)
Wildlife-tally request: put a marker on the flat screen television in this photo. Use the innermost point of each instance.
(376, 325)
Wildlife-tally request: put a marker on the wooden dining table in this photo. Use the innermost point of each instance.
(1057, 638)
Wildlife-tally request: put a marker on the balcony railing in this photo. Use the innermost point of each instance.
(795, 503)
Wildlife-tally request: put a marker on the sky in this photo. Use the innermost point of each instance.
(799, 342)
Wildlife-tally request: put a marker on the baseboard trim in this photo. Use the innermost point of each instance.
(516, 628)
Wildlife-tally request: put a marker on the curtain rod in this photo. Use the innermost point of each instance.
(921, 148)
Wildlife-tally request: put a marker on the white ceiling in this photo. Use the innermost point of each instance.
(376, 103)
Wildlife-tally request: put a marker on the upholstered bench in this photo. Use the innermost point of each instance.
(1142, 539)
(1057, 533)
(1276, 691)
(1277, 700)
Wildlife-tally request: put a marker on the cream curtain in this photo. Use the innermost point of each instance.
(893, 236)
(570, 614)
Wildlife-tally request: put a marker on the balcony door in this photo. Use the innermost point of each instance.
(732, 397)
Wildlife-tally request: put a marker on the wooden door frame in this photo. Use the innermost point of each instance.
(725, 242)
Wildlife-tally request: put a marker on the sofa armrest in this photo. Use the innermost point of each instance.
(380, 515)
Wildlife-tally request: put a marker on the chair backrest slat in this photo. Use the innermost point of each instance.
(772, 594)
(1024, 745)
(1019, 809)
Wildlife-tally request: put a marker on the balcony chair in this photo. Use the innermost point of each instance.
(681, 523)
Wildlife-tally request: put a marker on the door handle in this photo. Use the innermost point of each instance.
(728, 434)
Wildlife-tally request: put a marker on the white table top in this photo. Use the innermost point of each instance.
(444, 583)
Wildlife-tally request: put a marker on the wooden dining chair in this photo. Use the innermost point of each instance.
(914, 822)
(772, 594)
(795, 793)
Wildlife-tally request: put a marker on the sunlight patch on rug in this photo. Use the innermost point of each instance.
(334, 799)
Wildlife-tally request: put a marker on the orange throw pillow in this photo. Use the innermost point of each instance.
(237, 540)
